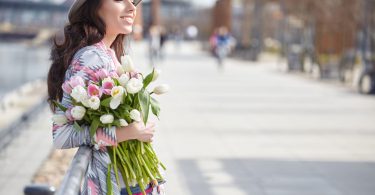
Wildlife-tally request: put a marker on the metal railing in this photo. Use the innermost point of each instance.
(13, 130)
(71, 184)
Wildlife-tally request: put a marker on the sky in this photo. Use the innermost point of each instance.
(204, 2)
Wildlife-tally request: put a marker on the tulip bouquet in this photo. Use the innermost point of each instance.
(117, 99)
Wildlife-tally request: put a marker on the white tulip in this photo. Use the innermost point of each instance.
(117, 91)
(157, 73)
(86, 102)
(59, 119)
(117, 94)
(123, 123)
(78, 112)
(164, 88)
(120, 70)
(127, 63)
(107, 118)
(79, 93)
(115, 102)
(124, 78)
(134, 85)
(135, 115)
(94, 102)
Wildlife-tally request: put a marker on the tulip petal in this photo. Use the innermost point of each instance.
(115, 102)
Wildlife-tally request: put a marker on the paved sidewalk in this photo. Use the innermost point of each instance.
(254, 130)
(22, 158)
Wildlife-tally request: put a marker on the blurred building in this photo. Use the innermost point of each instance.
(24, 18)
(327, 39)
(171, 14)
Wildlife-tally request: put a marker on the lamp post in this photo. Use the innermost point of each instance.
(155, 12)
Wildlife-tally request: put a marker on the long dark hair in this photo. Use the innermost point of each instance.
(85, 28)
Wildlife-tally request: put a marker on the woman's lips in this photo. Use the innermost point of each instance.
(127, 19)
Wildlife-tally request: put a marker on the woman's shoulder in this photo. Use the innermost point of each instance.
(90, 56)
(85, 60)
(89, 52)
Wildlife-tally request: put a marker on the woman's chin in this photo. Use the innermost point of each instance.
(127, 30)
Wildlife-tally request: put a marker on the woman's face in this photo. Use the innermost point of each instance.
(118, 16)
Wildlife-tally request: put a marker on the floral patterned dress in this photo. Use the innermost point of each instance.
(84, 63)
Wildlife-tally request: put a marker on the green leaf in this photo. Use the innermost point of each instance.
(117, 83)
(106, 102)
(63, 108)
(144, 101)
(128, 99)
(148, 79)
(127, 118)
(155, 107)
(117, 114)
(135, 103)
(125, 107)
(125, 113)
(87, 117)
(89, 112)
(94, 126)
(77, 126)
(116, 123)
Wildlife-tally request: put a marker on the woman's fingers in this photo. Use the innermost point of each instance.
(147, 139)
(147, 135)
(147, 132)
(150, 125)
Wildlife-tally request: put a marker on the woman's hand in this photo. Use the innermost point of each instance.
(136, 130)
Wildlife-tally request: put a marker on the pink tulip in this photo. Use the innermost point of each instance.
(113, 74)
(76, 81)
(101, 74)
(135, 75)
(94, 90)
(66, 87)
(107, 85)
(68, 114)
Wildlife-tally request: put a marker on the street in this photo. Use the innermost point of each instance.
(251, 129)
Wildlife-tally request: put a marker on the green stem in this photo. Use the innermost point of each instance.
(129, 165)
(146, 169)
(125, 176)
(109, 183)
(115, 166)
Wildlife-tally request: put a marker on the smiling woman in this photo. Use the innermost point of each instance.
(94, 40)
(117, 16)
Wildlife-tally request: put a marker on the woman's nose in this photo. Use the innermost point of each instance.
(131, 4)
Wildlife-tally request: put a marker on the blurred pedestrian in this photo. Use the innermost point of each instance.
(154, 44)
(163, 39)
(177, 37)
(222, 44)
